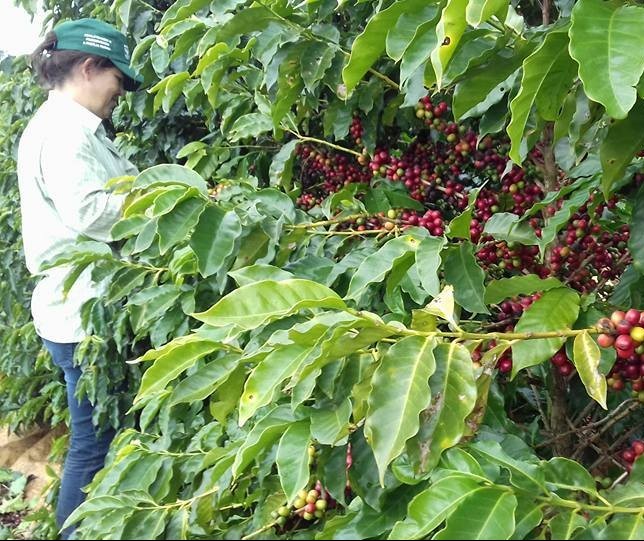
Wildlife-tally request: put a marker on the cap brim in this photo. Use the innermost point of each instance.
(132, 80)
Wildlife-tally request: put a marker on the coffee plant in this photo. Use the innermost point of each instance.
(381, 272)
(30, 392)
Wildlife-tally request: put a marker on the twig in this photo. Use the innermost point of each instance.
(546, 421)
(629, 404)
(261, 530)
(323, 142)
(331, 221)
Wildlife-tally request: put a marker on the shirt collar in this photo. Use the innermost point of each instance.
(75, 110)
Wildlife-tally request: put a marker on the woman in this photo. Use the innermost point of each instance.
(64, 161)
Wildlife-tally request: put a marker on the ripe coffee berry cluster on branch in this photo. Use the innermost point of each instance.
(631, 453)
(438, 162)
(624, 332)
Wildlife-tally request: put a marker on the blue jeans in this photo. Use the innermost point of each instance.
(87, 448)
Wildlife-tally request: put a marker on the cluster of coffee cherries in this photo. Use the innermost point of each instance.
(308, 505)
(356, 130)
(624, 331)
(631, 453)
(428, 111)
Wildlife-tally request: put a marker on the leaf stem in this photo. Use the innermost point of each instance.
(180, 503)
(573, 504)
(331, 221)
(323, 142)
(463, 335)
(261, 530)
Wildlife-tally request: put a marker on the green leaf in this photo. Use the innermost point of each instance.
(509, 227)
(159, 56)
(624, 140)
(460, 461)
(630, 494)
(128, 227)
(558, 83)
(370, 44)
(400, 391)
(167, 200)
(170, 174)
(280, 172)
(124, 282)
(428, 509)
(631, 282)
(261, 302)
(418, 52)
(376, 266)
(138, 202)
(565, 523)
(479, 11)
(98, 505)
(636, 239)
(459, 227)
(406, 29)
(624, 527)
(569, 475)
(293, 459)
(151, 303)
(586, 357)
(485, 514)
(332, 341)
(289, 90)
(178, 11)
(209, 58)
(257, 273)
(263, 381)
(148, 524)
(428, 261)
(606, 40)
(250, 125)
(262, 436)
(315, 60)
(498, 290)
(213, 240)
(173, 88)
(556, 310)
(464, 273)
(523, 475)
(449, 31)
(175, 226)
(205, 381)
(548, 62)
(569, 207)
(453, 392)
(172, 362)
(227, 396)
(331, 425)
(484, 83)
(526, 517)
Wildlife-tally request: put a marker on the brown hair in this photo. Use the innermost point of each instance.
(53, 67)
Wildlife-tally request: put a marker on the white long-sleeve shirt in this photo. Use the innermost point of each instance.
(64, 161)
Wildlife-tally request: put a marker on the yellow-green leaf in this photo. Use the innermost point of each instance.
(607, 41)
(586, 358)
(255, 304)
(400, 391)
(449, 31)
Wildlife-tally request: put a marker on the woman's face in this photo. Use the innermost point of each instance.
(105, 87)
(96, 88)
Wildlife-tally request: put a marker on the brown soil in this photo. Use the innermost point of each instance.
(28, 454)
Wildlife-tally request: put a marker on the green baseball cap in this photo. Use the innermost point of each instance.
(99, 38)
